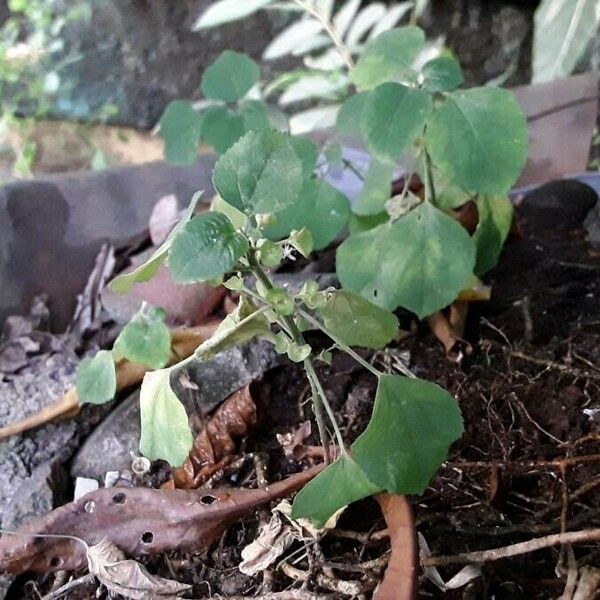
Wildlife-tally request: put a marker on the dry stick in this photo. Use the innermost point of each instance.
(183, 342)
(528, 465)
(588, 584)
(570, 537)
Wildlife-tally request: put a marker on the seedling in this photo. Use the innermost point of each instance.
(408, 252)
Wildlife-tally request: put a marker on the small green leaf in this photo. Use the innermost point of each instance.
(478, 139)
(96, 380)
(280, 300)
(261, 173)
(420, 262)
(180, 128)
(301, 240)
(340, 484)
(206, 247)
(230, 77)
(225, 11)
(145, 339)
(495, 220)
(349, 116)
(166, 432)
(376, 189)
(269, 253)
(297, 353)
(321, 208)
(414, 423)
(358, 322)
(388, 57)
(307, 152)
(122, 284)
(392, 118)
(238, 219)
(442, 74)
(254, 113)
(221, 127)
(333, 152)
(243, 324)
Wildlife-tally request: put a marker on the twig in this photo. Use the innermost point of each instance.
(588, 584)
(288, 595)
(70, 586)
(571, 537)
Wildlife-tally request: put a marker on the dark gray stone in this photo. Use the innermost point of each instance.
(202, 388)
(52, 229)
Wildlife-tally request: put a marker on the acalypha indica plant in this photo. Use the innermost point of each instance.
(401, 252)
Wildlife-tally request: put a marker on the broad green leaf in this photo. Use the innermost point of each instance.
(254, 114)
(96, 380)
(166, 432)
(340, 484)
(448, 195)
(420, 262)
(495, 220)
(414, 423)
(122, 284)
(307, 152)
(261, 173)
(320, 208)
(225, 11)
(376, 190)
(286, 41)
(356, 321)
(563, 31)
(230, 77)
(145, 339)
(442, 74)
(206, 247)
(221, 127)
(243, 324)
(392, 117)
(358, 224)
(388, 57)
(349, 117)
(180, 127)
(478, 139)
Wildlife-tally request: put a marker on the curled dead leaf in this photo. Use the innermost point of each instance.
(214, 446)
(456, 348)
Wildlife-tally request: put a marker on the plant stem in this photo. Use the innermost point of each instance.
(345, 348)
(330, 30)
(320, 401)
(429, 187)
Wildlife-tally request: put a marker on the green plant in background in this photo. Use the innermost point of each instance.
(404, 252)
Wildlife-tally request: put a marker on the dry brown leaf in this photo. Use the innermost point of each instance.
(214, 446)
(128, 577)
(399, 580)
(139, 521)
(456, 348)
(183, 342)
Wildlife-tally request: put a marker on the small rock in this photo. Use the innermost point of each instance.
(83, 486)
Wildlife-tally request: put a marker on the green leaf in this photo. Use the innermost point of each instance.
(495, 220)
(562, 33)
(269, 253)
(392, 117)
(230, 77)
(376, 190)
(206, 247)
(254, 113)
(180, 127)
(356, 321)
(478, 139)
(320, 208)
(349, 116)
(237, 218)
(221, 127)
(243, 324)
(388, 57)
(166, 432)
(261, 173)
(122, 284)
(225, 11)
(145, 339)
(340, 484)
(358, 224)
(307, 152)
(302, 241)
(414, 423)
(420, 262)
(96, 380)
(442, 74)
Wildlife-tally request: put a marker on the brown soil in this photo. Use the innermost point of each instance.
(528, 395)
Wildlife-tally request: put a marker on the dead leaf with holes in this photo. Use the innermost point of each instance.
(129, 578)
(214, 446)
(138, 521)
